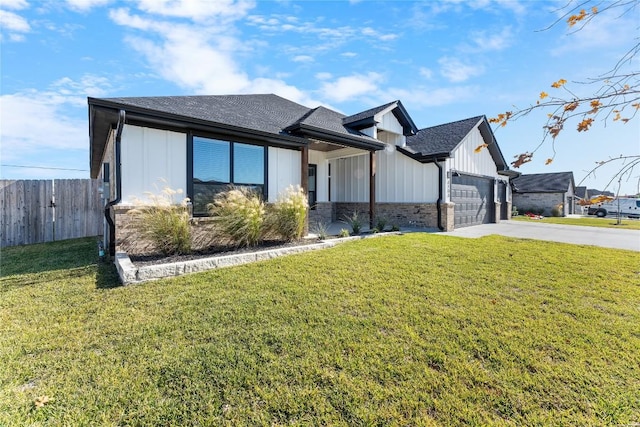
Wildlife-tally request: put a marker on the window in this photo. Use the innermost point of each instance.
(217, 164)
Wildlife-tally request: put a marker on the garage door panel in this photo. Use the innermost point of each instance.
(473, 199)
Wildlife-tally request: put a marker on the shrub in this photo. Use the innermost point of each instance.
(343, 233)
(381, 223)
(321, 229)
(514, 211)
(375, 230)
(354, 221)
(239, 214)
(165, 223)
(556, 210)
(287, 216)
(395, 227)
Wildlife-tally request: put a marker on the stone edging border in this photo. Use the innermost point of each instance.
(130, 274)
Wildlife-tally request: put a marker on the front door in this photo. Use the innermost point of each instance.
(313, 172)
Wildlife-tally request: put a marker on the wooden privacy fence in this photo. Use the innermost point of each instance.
(38, 211)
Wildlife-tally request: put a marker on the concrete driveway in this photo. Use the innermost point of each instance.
(595, 236)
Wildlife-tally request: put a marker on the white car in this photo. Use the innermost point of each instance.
(628, 207)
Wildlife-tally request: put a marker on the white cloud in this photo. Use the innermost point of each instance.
(349, 54)
(492, 41)
(14, 24)
(350, 87)
(426, 73)
(456, 71)
(370, 32)
(302, 58)
(421, 97)
(198, 58)
(323, 76)
(197, 10)
(35, 120)
(86, 5)
(14, 4)
(606, 30)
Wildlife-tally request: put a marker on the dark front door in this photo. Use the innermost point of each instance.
(313, 172)
(502, 198)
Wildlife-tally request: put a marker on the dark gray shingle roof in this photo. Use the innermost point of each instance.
(592, 192)
(581, 192)
(441, 139)
(325, 119)
(265, 113)
(366, 114)
(557, 182)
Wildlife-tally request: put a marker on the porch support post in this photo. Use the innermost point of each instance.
(304, 170)
(372, 187)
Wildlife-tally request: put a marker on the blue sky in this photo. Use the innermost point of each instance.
(445, 61)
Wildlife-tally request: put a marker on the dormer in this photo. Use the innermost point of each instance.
(389, 123)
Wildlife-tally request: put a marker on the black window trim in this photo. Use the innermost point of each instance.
(232, 141)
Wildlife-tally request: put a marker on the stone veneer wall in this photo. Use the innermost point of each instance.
(400, 214)
(325, 212)
(546, 201)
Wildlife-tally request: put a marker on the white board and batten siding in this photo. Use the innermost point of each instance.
(151, 160)
(466, 160)
(400, 179)
(285, 168)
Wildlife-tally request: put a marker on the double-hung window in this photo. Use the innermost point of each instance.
(218, 164)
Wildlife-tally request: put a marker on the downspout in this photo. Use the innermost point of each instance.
(439, 202)
(110, 204)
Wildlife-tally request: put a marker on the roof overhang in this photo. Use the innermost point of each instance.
(492, 145)
(424, 158)
(328, 136)
(103, 116)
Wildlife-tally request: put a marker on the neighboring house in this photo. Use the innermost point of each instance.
(582, 193)
(581, 199)
(376, 162)
(544, 191)
(592, 192)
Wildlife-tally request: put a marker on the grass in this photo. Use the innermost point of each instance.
(607, 222)
(403, 330)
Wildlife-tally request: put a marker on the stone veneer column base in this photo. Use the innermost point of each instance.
(448, 219)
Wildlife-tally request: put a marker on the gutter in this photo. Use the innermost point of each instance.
(107, 209)
(439, 202)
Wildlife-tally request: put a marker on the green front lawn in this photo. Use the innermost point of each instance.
(418, 329)
(607, 222)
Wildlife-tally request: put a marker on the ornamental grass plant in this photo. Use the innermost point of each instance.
(239, 214)
(287, 216)
(163, 221)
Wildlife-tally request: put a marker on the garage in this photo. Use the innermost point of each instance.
(473, 198)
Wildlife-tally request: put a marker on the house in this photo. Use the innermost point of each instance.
(592, 192)
(376, 162)
(544, 191)
(581, 198)
(582, 193)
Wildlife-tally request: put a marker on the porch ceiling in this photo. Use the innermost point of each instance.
(324, 146)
